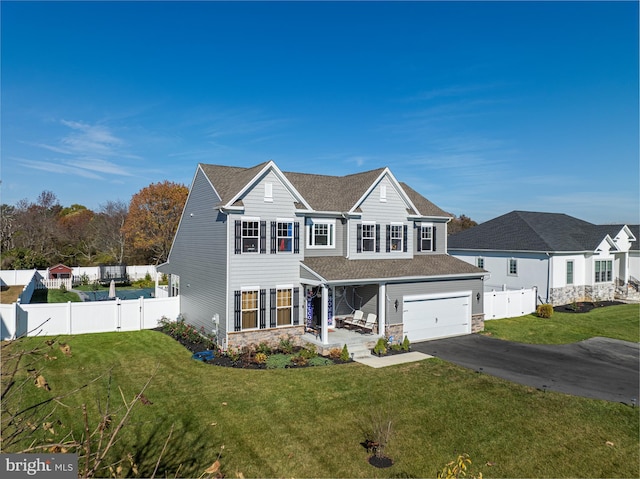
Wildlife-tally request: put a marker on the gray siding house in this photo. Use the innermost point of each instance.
(261, 254)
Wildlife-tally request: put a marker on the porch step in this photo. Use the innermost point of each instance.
(358, 350)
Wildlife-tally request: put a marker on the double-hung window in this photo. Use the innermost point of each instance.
(570, 272)
(426, 238)
(250, 236)
(368, 237)
(284, 306)
(321, 233)
(480, 262)
(249, 310)
(604, 270)
(396, 237)
(285, 236)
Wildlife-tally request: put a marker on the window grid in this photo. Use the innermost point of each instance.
(396, 237)
(368, 237)
(603, 269)
(285, 237)
(249, 309)
(569, 272)
(321, 235)
(513, 267)
(283, 306)
(426, 238)
(250, 236)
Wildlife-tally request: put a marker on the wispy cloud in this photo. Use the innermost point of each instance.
(89, 151)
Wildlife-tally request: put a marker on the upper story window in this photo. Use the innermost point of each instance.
(570, 272)
(396, 237)
(425, 242)
(368, 237)
(512, 267)
(250, 236)
(284, 237)
(480, 262)
(321, 234)
(604, 271)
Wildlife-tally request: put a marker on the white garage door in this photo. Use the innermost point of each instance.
(437, 316)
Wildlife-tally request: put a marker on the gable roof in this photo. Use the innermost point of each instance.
(533, 231)
(341, 269)
(320, 192)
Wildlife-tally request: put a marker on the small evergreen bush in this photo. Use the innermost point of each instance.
(380, 347)
(406, 345)
(278, 361)
(344, 354)
(319, 361)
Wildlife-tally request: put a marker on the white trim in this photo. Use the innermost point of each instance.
(422, 297)
(310, 222)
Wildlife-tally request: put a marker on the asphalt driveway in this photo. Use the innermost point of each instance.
(599, 368)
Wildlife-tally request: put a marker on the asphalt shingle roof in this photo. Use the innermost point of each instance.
(322, 192)
(338, 268)
(533, 231)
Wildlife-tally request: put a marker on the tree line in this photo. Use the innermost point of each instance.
(42, 233)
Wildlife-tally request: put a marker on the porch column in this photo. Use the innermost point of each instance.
(382, 308)
(325, 314)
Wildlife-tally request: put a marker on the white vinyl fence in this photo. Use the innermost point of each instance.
(90, 317)
(509, 304)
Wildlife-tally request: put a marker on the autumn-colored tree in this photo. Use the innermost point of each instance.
(460, 223)
(78, 241)
(154, 213)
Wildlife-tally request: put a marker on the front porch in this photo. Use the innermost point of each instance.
(357, 343)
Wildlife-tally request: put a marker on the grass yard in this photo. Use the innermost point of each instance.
(617, 322)
(54, 296)
(310, 422)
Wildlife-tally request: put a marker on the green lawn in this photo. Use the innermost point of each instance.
(618, 322)
(54, 296)
(309, 422)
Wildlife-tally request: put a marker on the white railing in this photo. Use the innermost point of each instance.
(91, 317)
(509, 304)
(54, 283)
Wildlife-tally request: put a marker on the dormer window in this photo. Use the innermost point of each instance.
(426, 238)
(368, 237)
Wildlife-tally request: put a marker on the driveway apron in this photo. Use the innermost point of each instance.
(598, 368)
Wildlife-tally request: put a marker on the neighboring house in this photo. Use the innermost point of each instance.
(565, 258)
(260, 254)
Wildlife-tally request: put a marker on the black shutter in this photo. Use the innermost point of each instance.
(404, 238)
(296, 237)
(237, 311)
(388, 238)
(274, 238)
(263, 237)
(433, 238)
(238, 237)
(263, 306)
(419, 238)
(377, 238)
(359, 239)
(272, 314)
(296, 306)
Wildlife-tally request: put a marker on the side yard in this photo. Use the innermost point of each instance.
(311, 422)
(617, 322)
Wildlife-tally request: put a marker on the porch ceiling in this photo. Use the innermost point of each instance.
(338, 268)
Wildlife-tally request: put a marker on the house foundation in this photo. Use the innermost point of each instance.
(272, 337)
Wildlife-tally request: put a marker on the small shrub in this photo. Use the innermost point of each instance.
(406, 344)
(84, 279)
(63, 288)
(319, 361)
(336, 353)
(299, 360)
(286, 346)
(397, 347)
(263, 348)
(308, 352)
(344, 354)
(260, 358)
(278, 361)
(234, 354)
(380, 347)
(544, 311)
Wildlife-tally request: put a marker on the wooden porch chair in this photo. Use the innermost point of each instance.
(369, 325)
(356, 321)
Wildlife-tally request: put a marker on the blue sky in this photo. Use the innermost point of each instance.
(483, 107)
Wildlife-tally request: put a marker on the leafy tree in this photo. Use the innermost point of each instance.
(460, 223)
(154, 213)
(78, 245)
(108, 226)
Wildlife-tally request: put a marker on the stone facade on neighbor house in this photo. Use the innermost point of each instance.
(260, 253)
(568, 260)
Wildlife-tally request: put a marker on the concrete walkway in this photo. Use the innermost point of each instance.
(381, 362)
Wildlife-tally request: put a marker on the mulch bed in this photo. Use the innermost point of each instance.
(584, 306)
(243, 362)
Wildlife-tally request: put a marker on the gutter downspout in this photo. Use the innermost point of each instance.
(548, 276)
